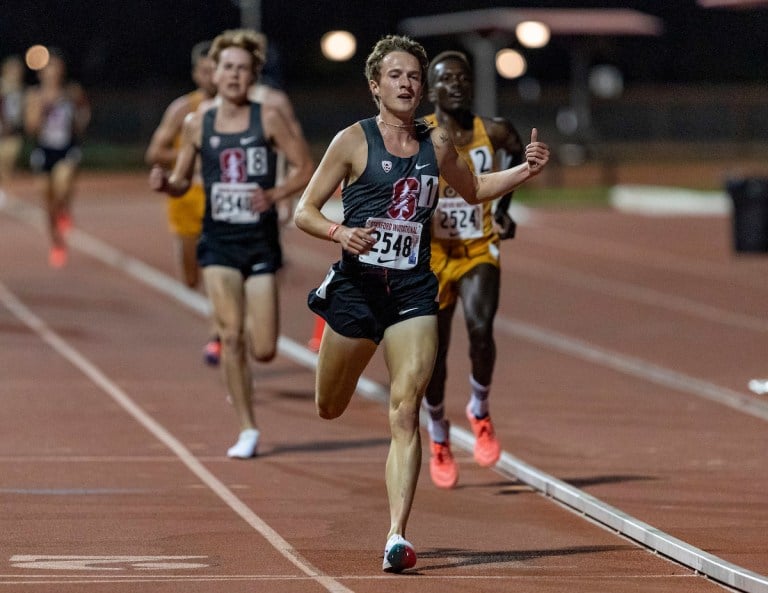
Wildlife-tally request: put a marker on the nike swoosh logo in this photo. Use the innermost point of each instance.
(247, 140)
(419, 167)
(404, 311)
(386, 261)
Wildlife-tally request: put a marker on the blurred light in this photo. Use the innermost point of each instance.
(572, 155)
(606, 81)
(37, 57)
(338, 46)
(532, 34)
(510, 63)
(529, 89)
(567, 121)
(730, 3)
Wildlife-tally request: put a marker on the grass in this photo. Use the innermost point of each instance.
(113, 156)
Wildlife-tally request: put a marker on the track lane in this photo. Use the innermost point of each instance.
(375, 477)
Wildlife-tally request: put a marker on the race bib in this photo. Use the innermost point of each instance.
(397, 244)
(232, 203)
(455, 219)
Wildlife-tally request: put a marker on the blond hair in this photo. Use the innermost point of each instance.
(253, 42)
(388, 44)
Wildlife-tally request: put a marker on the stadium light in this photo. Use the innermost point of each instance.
(482, 29)
(510, 63)
(37, 57)
(338, 46)
(533, 34)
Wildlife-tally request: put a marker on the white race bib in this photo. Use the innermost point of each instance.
(232, 203)
(454, 218)
(397, 244)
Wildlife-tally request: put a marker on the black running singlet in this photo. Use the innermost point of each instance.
(397, 196)
(233, 165)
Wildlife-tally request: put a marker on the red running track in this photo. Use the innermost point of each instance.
(625, 347)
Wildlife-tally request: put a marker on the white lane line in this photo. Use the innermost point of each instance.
(420, 578)
(636, 293)
(646, 535)
(572, 242)
(635, 367)
(38, 326)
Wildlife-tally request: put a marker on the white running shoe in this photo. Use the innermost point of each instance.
(398, 554)
(246, 445)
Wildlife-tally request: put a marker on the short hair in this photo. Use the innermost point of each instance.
(251, 41)
(200, 50)
(387, 45)
(442, 57)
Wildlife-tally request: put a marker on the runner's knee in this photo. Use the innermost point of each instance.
(263, 354)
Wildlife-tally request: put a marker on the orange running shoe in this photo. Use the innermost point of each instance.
(212, 352)
(442, 466)
(487, 448)
(57, 257)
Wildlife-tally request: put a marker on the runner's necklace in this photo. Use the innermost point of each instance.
(397, 126)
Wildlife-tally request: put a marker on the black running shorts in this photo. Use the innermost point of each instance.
(364, 302)
(43, 159)
(247, 256)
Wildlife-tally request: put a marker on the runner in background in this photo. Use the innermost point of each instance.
(11, 116)
(465, 257)
(239, 248)
(185, 213)
(56, 116)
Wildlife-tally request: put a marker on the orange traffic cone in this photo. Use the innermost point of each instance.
(317, 334)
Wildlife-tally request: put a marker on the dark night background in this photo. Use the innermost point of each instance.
(133, 58)
(125, 44)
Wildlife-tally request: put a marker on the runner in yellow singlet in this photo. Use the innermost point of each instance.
(465, 257)
(185, 214)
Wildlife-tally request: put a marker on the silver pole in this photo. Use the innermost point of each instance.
(483, 50)
(250, 14)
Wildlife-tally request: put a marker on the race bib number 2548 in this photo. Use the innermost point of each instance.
(397, 244)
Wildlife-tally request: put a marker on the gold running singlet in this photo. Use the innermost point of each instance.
(463, 234)
(185, 213)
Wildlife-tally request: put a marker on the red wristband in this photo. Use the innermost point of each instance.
(333, 228)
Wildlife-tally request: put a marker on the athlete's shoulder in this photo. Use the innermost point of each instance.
(193, 123)
(351, 135)
(439, 135)
(195, 99)
(499, 126)
(179, 108)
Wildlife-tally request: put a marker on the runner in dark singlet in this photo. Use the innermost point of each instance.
(239, 248)
(57, 114)
(382, 291)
